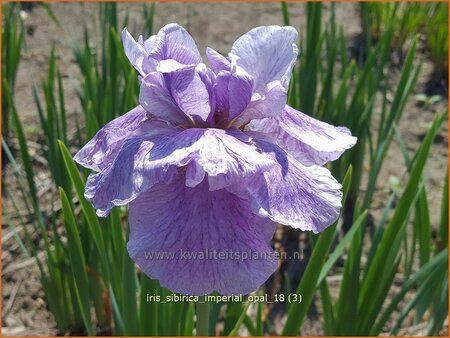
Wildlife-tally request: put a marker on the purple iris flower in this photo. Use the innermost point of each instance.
(212, 159)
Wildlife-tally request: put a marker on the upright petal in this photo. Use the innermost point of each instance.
(262, 105)
(148, 44)
(137, 53)
(307, 198)
(156, 97)
(195, 241)
(101, 151)
(217, 61)
(267, 53)
(190, 93)
(176, 93)
(174, 42)
(222, 97)
(309, 140)
(240, 91)
(208, 77)
(155, 158)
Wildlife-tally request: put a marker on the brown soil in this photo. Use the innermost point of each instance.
(216, 25)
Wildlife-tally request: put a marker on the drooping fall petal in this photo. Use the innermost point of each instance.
(306, 198)
(187, 224)
(311, 141)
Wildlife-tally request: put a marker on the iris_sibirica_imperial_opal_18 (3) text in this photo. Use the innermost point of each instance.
(212, 159)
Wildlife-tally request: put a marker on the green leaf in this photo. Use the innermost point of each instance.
(347, 303)
(307, 286)
(285, 12)
(78, 262)
(129, 291)
(238, 324)
(118, 321)
(26, 159)
(202, 317)
(51, 14)
(333, 258)
(187, 322)
(329, 318)
(148, 309)
(422, 223)
(424, 292)
(372, 289)
(232, 315)
(443, 225)
(86, 207)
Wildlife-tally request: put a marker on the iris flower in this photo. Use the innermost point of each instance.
(212, 159)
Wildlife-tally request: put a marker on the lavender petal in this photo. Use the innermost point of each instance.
(186, 226)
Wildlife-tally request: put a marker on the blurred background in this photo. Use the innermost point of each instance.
(381, 69)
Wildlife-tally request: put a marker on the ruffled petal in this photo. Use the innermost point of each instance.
(174, 42)
(217, 61)
(149, 159)
(101, 151)
(311, 141)
(225, 156)
(130, 173)
(196, 241)
(307, 198)
(267, 53)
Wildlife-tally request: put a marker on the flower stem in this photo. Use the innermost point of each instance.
(202, 312)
